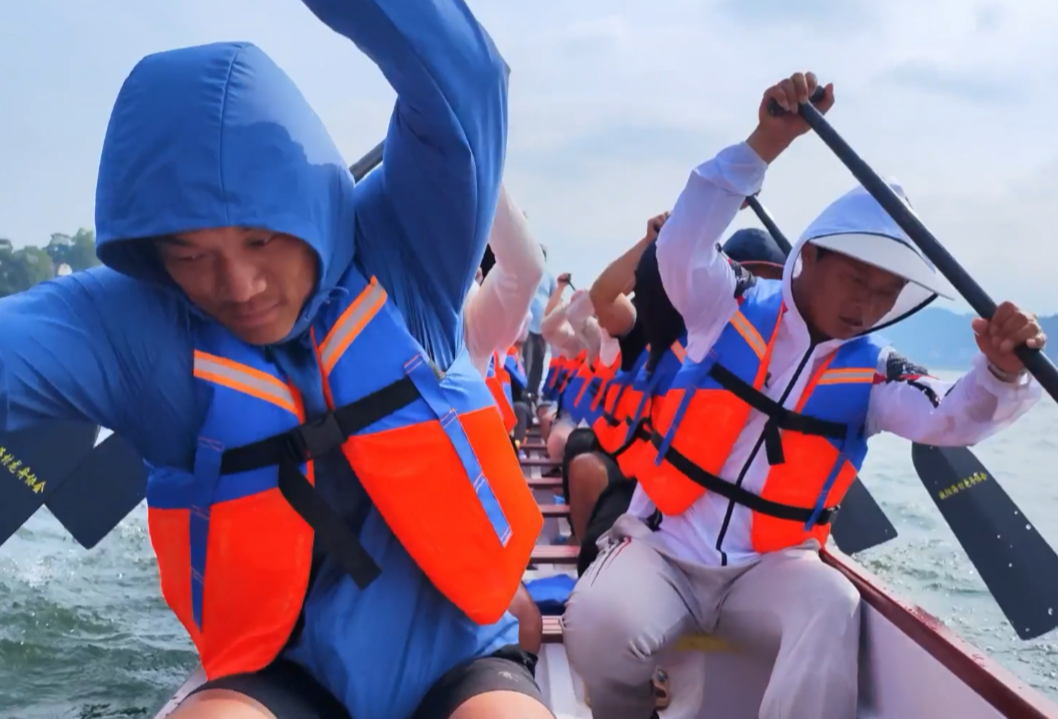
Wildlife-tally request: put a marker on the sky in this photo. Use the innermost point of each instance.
(612, 104)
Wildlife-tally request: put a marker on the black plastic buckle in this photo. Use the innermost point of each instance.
(316, 437)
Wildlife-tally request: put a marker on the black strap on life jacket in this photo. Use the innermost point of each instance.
(779, 417)
(312, 440)
(642, 430)
(737, 494)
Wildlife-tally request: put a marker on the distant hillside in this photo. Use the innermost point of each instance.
(942, 339)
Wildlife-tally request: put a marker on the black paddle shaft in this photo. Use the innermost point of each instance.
(765, 219)
(1035, 361)
(368, 162)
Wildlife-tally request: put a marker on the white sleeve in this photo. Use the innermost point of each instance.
(697, 277)
(498, 310)
(556, 329)
(923, 409)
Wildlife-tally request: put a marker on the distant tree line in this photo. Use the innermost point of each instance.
(24, 267)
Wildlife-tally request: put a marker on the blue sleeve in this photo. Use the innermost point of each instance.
(426, 225)
(100, 347)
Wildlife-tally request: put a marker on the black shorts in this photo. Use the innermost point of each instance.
(612, 503)
(289, 692)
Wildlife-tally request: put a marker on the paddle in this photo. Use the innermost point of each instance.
(985, 520)
(108, 484)
(1017, 565)
(34, 463)
(860, 523)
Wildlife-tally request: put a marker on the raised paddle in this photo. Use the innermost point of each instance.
(34, 463)
(860, 523)
(985, 520)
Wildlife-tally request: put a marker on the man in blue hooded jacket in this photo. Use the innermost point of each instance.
(224, 210)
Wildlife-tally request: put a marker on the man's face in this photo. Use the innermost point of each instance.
(844, 296)
(254, 282)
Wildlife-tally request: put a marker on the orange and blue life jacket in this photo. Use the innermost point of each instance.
(588, 406)
(814, 449)
(513, 364)
(619, 401)
(555, 370)
(499, 384)
(234, 536)
(570, 383)
(578, 389)
(650, 389)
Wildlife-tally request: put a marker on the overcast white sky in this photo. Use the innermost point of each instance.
(612, 104)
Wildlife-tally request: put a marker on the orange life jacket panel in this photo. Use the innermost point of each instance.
(234, 533)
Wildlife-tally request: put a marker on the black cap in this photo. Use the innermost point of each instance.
(752, 245)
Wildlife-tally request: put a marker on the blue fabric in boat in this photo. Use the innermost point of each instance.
(551, 593)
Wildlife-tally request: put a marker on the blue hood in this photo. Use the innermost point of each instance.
(218, 136)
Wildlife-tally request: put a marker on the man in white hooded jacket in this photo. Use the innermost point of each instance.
(735, 551)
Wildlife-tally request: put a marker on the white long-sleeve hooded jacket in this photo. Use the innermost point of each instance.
(904, 400)
(494, 312)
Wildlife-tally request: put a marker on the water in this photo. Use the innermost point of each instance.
(85, 634)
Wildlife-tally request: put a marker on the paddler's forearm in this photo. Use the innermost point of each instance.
(556, 329)
(614, 310)
(697, 279)
(445, 147)
(554, 300)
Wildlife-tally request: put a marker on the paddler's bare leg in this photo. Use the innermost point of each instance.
(502, 705)
(283, 690)
(628, 607)
(545, 414)
(587, 480)
(556, 438)
(813, 612)
(530, 623)
(221, 704)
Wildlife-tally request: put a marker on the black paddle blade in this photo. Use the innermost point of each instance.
(100, 492)
(33, 463)
(1017, 565)
(860, 523)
